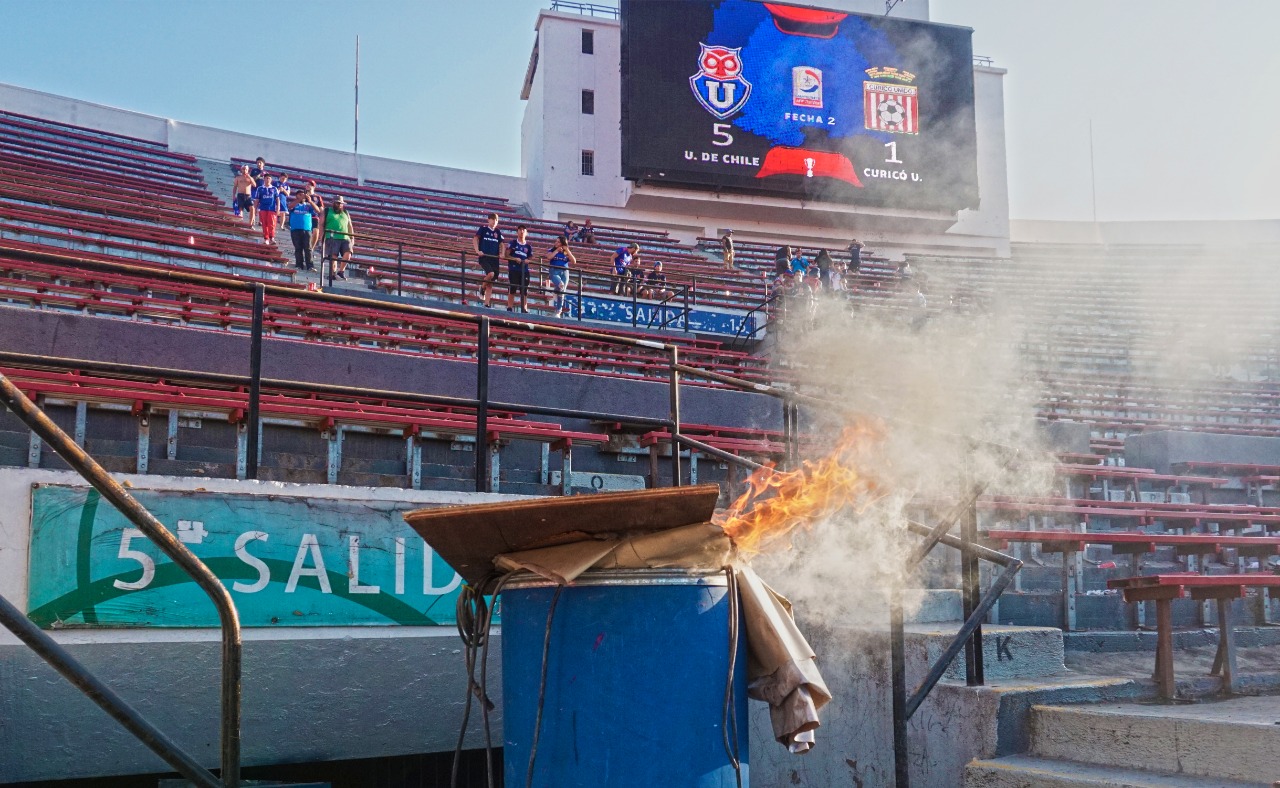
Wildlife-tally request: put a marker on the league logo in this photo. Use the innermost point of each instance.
(806, 86)
(718, 85)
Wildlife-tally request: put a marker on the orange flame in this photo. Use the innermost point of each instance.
(778, 502)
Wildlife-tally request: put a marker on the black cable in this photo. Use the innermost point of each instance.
(467, 611)
(474, 621)
(542, 687)
(730, 717)
(486, 705)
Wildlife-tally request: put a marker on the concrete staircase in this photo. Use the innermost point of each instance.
(1223, 744)
(219, 177)
(1009, 652)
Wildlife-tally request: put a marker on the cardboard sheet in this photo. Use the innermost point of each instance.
(468, 537)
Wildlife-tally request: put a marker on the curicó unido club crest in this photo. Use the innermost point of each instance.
(718, 85)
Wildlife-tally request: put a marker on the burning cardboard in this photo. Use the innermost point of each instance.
(469, 538)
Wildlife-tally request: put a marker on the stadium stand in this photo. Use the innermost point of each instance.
(428, 232)
(115, 198)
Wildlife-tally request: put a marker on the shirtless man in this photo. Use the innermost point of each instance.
(242, 193)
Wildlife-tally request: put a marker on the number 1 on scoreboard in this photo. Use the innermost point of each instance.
(893, 153)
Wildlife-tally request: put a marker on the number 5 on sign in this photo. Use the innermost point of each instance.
(893, 153)
(148, 563)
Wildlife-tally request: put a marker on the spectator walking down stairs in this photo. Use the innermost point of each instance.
(267, 199)
(286, 198)
(242, 193)
(726, 249)
(317, 204)
(488, 248)
(302, 220)
(561, 259)
(518, 253)
(339, 237)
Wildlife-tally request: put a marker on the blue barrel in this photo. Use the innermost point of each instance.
(636, 680)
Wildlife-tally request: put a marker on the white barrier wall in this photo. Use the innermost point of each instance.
(310, 693)
(218, 144)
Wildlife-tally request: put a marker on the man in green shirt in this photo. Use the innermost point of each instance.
(339, 237)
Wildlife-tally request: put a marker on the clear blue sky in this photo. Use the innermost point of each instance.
(1180, 91)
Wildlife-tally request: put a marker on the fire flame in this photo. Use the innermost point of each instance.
(778, 502)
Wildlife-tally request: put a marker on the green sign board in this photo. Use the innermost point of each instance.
(288, 561)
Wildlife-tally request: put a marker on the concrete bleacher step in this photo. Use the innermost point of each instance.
(1025, 771)
(1009, 652)
(1236, 739)
(936, 605)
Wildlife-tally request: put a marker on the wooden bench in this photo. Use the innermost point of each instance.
(1163, 589)
(1133, 544)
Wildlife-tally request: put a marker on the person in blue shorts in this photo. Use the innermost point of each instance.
(518, 252)
(488, 248)
(561, 258)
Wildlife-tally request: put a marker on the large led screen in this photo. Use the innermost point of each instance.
(797, 101)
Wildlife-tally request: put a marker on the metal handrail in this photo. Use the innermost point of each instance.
(586, 9)
(688, 281)
(763, 305)
(80, 461)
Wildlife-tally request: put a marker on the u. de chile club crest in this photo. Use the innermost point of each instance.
(718, 85)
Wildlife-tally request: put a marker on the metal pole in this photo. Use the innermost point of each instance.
(898, 680)
(786, 432)
(355, 145)
(1093, 174)
(721, 454)
(635, 303)
(482, 407)
(966, 631)
(462, 275)
(794, 447)
(579, 296)
(973, 668)
(60, 660)
(116, 494)
(686, 308)
(400, 269)
(676, 480)
(255, 382)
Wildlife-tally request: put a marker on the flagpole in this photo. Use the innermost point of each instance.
(356, 144)
(1093, 174)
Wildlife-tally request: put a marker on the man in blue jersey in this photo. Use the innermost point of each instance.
(518, 253)
(488, 247)
(267, 198)
(302, 219)
(621, 264)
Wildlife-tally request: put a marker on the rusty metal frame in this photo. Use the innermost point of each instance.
(55, 655)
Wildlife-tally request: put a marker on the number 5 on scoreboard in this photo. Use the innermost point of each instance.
(721, 132)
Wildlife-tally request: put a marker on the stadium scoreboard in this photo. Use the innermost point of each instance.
(799, 102)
